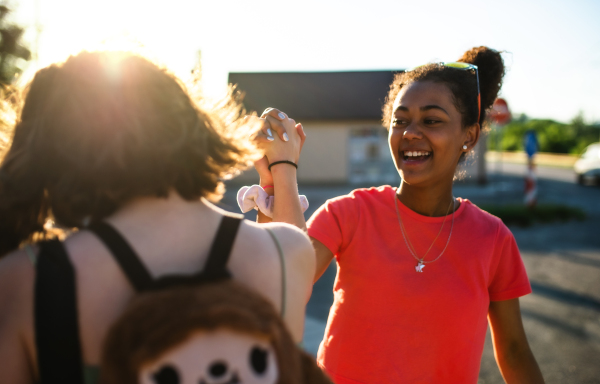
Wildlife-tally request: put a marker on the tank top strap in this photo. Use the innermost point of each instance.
(283, 271)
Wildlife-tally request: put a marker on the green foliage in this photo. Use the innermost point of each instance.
(552, 136)
(12, 52)
(544, 213)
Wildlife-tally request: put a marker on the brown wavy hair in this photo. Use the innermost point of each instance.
(462, 84)
(148, 329)
(103, 128)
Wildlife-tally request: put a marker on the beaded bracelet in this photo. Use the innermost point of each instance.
(283, 162)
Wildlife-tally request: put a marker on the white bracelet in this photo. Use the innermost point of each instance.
(256, 197)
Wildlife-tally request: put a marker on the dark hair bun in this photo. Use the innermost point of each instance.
(491, 71)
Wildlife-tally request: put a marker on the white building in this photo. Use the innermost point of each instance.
(341, 115)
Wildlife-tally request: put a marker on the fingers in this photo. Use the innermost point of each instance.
(263, 132)
(302, 134)
(275, 113)
(263, 138)
(276, 127)
(277, 121)
(273, 120)
(282, 128)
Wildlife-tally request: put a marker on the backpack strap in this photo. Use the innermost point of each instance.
(134, 269)
(214, 270)
(216, 264)
(56, 322)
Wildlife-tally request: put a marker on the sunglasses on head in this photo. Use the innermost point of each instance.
(463, 66)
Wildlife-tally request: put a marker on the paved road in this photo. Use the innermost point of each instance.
(562, 316)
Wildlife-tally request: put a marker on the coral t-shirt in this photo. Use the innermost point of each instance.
(390, 324)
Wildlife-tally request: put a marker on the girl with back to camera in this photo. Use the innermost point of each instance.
(114, 141)
(420, 272)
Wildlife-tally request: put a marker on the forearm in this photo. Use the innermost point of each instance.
(268, 187)
(286, 206)
(278, 168)
(518, 365)
(511, 348)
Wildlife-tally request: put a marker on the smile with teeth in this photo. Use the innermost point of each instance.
(416, 155)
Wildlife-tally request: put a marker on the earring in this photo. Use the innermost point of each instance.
(465, 147)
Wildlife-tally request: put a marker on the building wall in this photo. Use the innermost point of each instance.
(348, 151)
(324, 157)
(345, 151)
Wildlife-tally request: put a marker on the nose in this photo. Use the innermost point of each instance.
(412, 131)
(218, 369)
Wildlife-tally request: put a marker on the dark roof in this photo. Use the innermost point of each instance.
(316, 95)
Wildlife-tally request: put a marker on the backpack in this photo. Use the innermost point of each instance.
(56, 319)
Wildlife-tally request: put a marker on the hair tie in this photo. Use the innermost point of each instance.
(283, 162)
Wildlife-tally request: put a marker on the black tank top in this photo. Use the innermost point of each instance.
(55, 304)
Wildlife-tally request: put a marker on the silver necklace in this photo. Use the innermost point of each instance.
(421, 261)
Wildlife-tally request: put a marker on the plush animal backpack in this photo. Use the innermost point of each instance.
(220, 333)
(202, 328)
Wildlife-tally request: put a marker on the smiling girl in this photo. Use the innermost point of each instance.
(420, 272)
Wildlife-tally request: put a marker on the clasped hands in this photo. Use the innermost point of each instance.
(281, 139)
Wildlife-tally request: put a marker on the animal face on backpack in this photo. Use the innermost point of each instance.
(216, 333)
(220, 357)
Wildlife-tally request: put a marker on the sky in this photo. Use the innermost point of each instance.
(552, 46)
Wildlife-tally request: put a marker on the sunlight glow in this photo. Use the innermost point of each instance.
(552, 72)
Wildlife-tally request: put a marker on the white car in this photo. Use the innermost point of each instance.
(587, 168)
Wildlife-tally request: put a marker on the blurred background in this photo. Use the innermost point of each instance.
(328, 64)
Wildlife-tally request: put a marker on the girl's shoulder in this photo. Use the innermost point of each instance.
(17, 281)
(365, 195)
(475, 212)
(370, 192)
(17, 270)
(279, 261)
(290, 238)
(482, 220)
(283, 229)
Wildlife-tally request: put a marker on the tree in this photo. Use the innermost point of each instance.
(553, 136)
(11, 49)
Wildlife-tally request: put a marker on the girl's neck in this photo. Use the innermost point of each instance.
(172, 207)
(432, 202)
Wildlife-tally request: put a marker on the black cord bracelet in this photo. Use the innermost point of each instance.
(283, 162)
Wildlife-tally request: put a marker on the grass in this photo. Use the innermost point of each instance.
(541, 158)
(542, 213)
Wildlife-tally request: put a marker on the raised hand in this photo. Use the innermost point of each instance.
(275, 124)
(288, 137)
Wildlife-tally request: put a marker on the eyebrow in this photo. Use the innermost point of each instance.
(425, 108)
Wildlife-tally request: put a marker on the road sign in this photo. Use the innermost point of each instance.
(500, 114)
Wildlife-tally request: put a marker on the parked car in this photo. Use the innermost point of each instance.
(587, 168)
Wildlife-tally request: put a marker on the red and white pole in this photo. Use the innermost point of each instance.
(530, 185)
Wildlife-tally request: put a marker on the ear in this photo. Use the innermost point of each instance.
(472, 136)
